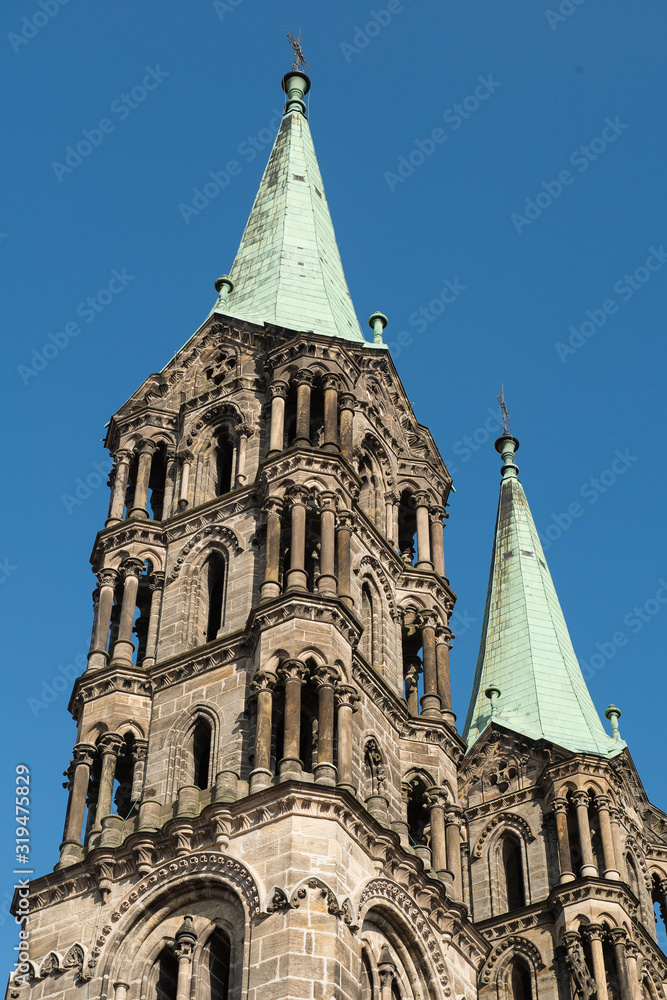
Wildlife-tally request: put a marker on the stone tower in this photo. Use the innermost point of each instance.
(268, 796)
(566, 856)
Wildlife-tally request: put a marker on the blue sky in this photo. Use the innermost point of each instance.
(540, 199)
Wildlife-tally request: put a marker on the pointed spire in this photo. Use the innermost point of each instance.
(528, 678)
(288, 269)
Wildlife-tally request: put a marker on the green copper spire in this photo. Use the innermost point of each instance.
(288, 269)
(528, 678)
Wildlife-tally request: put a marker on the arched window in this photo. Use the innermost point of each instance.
(596, 836)
(659, 910)
(223, 463)
(520, 981)
(157, 483)
(201, 753)
(512, 866)
(216, 961)
(215, 581)
(166, 978)
(573, 836)
(122, 793)
(367, 637)
(407, 527)
(309, 721)
(417, 813)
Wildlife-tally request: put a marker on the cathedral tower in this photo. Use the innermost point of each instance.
(268, 796)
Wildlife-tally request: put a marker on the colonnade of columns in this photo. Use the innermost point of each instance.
(118, 588)
(610, 836)
(85, 755)
(336, 704)
(337, 435)
(625, 952)
(436, 701)
(445, 825)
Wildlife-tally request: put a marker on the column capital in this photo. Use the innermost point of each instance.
(273, 505)
(156, 581)
(347, 400)
(304, 376)
(264, 680)
(132, 567)
(347, 696)
(326, 676)
(327, 500)
(146, 445)
(437, 797)
(572, 939)
(122, 455)
(632, 948)
(391, 497)
(111, 743)
(279, 387)
(139, 750)
(444, 634)
(437, 514)
(602, 802)
(618, 935)
(108, 577)
(185, 456)
(662, 884)
(594, 932)
(293, 670)
(560, 804)
(84, 753)
(345, 519)
(185, 940)
(580, 797)
(298, 495)
(243, 430)
(454, 815)
(331, 381)
(428, 619)
(421, 498)
(615, 814)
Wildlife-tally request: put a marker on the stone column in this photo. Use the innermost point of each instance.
(98, 656)
(347, 703)
(120, 990)
(616, 837)
(186, 938)
(109, 746)
(293, 673)
(271, 583)
(324, 770)
(560, 809)
(146, 449)
(139, 753)
(169, 484)
(588, 866)
(263, 685)
(430, 702)
(124, 647)
(344, 523)
(186, 458)
(278, 390)
(156, 585)
(331, 385)
(443, 644)
(422, 502)
(412, 668)
(304, 383)
(437, 802)
(122, 461)
(326, 583)
(594, 934)
(631, 955)
(297, 578)
(390, 501)
(346, 401)
(79, 776)
(243, 433)
(437, 515)
(453, 820)
(602, 803)
(618, 937)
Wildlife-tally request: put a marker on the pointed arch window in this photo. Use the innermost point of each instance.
(215, 966)
(417, 813)
(367, 992)
(520, 985)
(512, 868)
(166, 978)
(367, 619)
(215, 582)
(202, 738)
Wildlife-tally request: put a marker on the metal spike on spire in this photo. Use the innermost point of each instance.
(507, 423)
(299, 57)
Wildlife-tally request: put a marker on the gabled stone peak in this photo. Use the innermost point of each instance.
(528, 678)
(288, 269)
